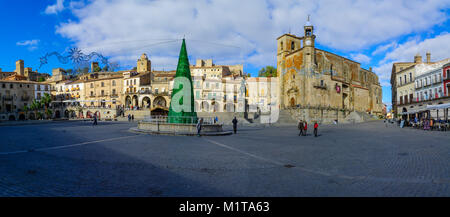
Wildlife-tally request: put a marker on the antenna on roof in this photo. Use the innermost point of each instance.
(308, 17)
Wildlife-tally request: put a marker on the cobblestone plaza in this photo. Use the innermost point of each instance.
(368, 159)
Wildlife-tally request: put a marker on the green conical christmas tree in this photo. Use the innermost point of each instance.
(186, 115)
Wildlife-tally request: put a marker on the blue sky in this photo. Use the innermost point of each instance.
(374, 33)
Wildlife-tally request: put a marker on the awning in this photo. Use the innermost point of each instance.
(414, 111)
(439, 106)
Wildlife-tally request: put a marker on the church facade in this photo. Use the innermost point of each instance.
(322, 85)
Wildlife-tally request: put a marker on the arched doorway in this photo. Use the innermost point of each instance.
(196, 106)
(98, 114)
(159, 101)
(135, 101)
(404, 115)
(205, 106)
(89, 114)
(128, 101)
(215, 106)
(21, 117)
(229, 107)
(159, 112)
(146, 102)
(292, 102)
(57, 114)
(66, 113)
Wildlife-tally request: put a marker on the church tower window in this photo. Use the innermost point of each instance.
(292, 46)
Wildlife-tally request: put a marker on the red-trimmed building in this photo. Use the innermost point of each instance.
(446, 79)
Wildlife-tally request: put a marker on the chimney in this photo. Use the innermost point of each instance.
(93, 66)
(19, 67)
(428, 57)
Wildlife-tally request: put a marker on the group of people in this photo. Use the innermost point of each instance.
(200, 123)
(303, 128)
(429, 124)
(130, 117)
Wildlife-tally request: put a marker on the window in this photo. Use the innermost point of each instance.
(103, 92)
(281, 46)
(92, 85)
(11, 86)
(134, 81)
(400, 82)
(114, 92)
(292, 46)
(405, 79)
(92, 93)
(410, 77)
(128, 83)
(113, 83)
(103, 84)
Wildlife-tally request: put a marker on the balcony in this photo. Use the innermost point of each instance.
(320, 86)
(145, 92)
(8, 98)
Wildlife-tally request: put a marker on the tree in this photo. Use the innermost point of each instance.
(268, 71)
(105, 69)
(45, 101)
(35, 106)
(134, 68)
(41, 79)
(26, 109)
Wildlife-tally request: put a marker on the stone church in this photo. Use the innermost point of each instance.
(321, 86)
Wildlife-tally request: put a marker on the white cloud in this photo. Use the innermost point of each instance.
(360, 58)
(30, 44)
(56, 8)
(250, 26)
(383, 48)
(438, 47)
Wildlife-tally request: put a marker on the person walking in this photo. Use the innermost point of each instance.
(300, 127)
(95, 120)
(305, 128)
(129, 117)
(316, 126)
(199, 126)
(132, 117)
(235, 121)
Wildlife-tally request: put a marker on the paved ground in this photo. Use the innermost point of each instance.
(77, 159)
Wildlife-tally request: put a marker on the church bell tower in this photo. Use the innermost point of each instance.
(308, 45)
